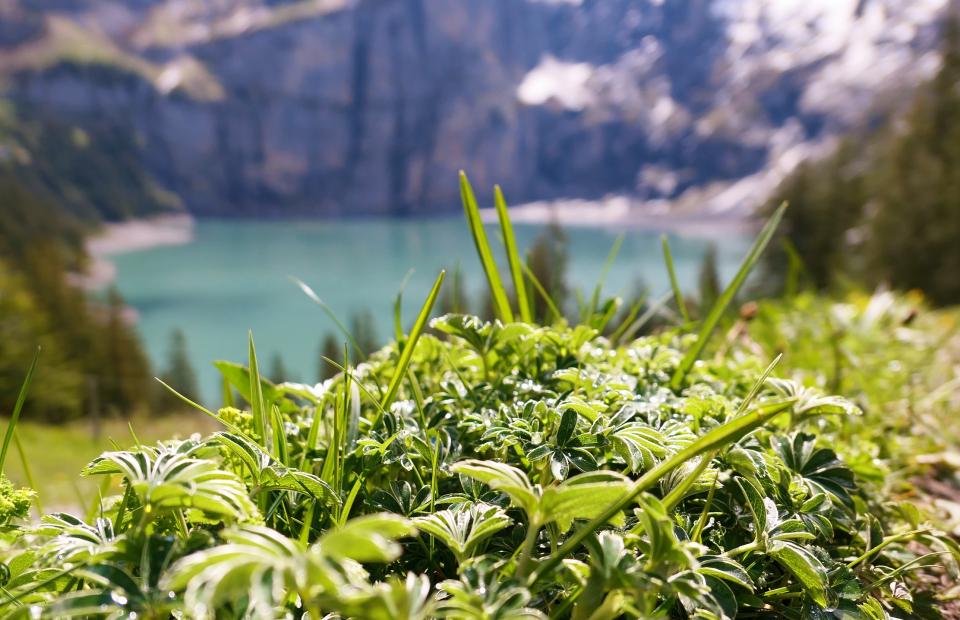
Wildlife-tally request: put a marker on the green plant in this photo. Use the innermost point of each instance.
(499, 469)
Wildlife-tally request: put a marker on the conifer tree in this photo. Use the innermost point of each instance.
(278, 369)
(178, 374)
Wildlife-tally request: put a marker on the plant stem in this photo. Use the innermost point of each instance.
(747, 548)
(886, 542)
(526, 552)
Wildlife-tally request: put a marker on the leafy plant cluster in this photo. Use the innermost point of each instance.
(907, 386)
(496, 470)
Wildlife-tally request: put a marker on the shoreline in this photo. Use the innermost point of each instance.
(625, 213)
(141, 234)
(130, 236)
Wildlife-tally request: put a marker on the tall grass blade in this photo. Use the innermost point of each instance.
(716, 312)
(398, 308)
(17, 408)
(607, 265)
(627, 320)
(674, 284)
(717, 438)
(677, 494)
(232, 427)
(279, 436)
(554, 310)
(513, 256)
(501, 302)
(309, 292)
(28, 472)
(655, 308)
(351, 498)
(258, 408)
(401, 371)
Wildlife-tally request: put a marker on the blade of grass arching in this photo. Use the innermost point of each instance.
(355, 382)
(28, 473)
(122, 510)
(17, 408)
(674, 284)
(348, 505)
(458, 303)
(680, 491)
(716, 439)
(258, 408)
(329, 312)
(398, 308)
(543, 292)
(607, 265)
(328, 469)
(600, 321)
(279, 436)
(582, 305)
(340, 425)
(655, 308)
(418, 399)
(758, 385)
(501, 302)
(716, 312)
(705, 513)
(627, 320)
(307, 524)
(401, 370)
(314, 432)
(233, 427)
(513, 256)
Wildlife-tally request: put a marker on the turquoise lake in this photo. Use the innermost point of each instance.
(235, 276)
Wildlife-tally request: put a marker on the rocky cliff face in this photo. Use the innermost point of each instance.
(371, 106)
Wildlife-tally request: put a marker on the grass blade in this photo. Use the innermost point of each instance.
(627, 320)
(607, 265)
(261, 425)
(716, 312)
(28, 473)
(543, 292)
(401, 371)
(17, 408)
(500, 300)
(233, 428)
(309, 292)
(714, 440)
(279, 436)
(398, 308)
(678, 493)
(513, 256)
(674, 284)
(655, 308)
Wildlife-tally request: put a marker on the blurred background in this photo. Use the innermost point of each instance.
(167, 166)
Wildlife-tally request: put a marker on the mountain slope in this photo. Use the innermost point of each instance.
(370, 106)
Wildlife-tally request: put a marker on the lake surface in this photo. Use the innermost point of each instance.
(235, 276)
